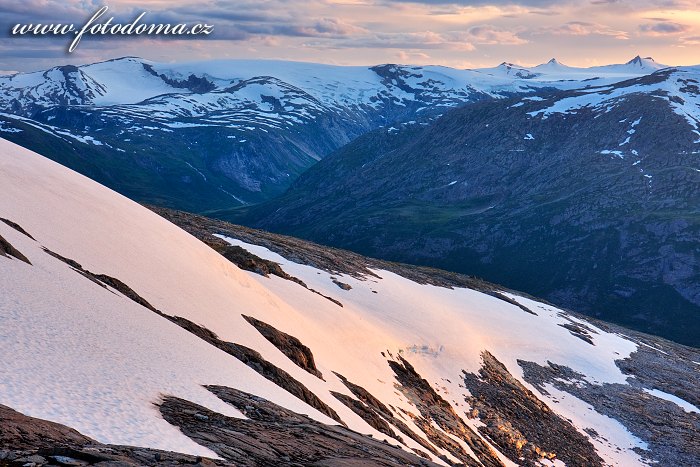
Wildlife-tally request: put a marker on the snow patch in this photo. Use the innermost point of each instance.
(687, 406)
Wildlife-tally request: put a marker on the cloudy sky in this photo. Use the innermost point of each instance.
(459, 33)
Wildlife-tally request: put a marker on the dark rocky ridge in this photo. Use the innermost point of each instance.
(433, 408)
(289, 345)
(248, 261)
(521, 425)
(7, 250)
(332, 260)
(196, 84)
(273, 435)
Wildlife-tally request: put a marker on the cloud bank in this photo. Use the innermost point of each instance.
(461, 33)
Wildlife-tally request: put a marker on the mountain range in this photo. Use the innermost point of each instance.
(211, 135)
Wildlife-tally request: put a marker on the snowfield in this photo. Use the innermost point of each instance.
(130, 80)
(88, 357)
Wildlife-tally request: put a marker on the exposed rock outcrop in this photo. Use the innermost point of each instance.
(278, 376)
(18, 431)
(374, 406)
(273, 435)
(7, 250)
(26, 441)
(342, 285)
(250, 262)
(367, 414)
(289, 345)
(669, 431)
(436, 411)
(329, 259)
(522, 426)
(16, 226)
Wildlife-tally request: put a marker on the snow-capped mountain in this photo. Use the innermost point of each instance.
(561, 76)
(676, 87)
(131, 80)
(118, 324)
(218, 133)
(214, 134)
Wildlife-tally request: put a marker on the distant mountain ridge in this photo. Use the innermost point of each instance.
(210, 135)
(553, 70)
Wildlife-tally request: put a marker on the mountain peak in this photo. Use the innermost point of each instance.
(553, 63)
(639, 61)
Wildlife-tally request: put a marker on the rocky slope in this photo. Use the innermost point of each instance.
(148, 345)
(585, 197)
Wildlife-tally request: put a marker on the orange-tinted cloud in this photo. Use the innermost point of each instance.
(449, 32)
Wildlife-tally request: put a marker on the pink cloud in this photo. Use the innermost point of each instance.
(663, 28)
(491, 35)
(582, 28)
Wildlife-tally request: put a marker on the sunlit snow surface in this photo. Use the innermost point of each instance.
(87, 357)
(443, 331)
